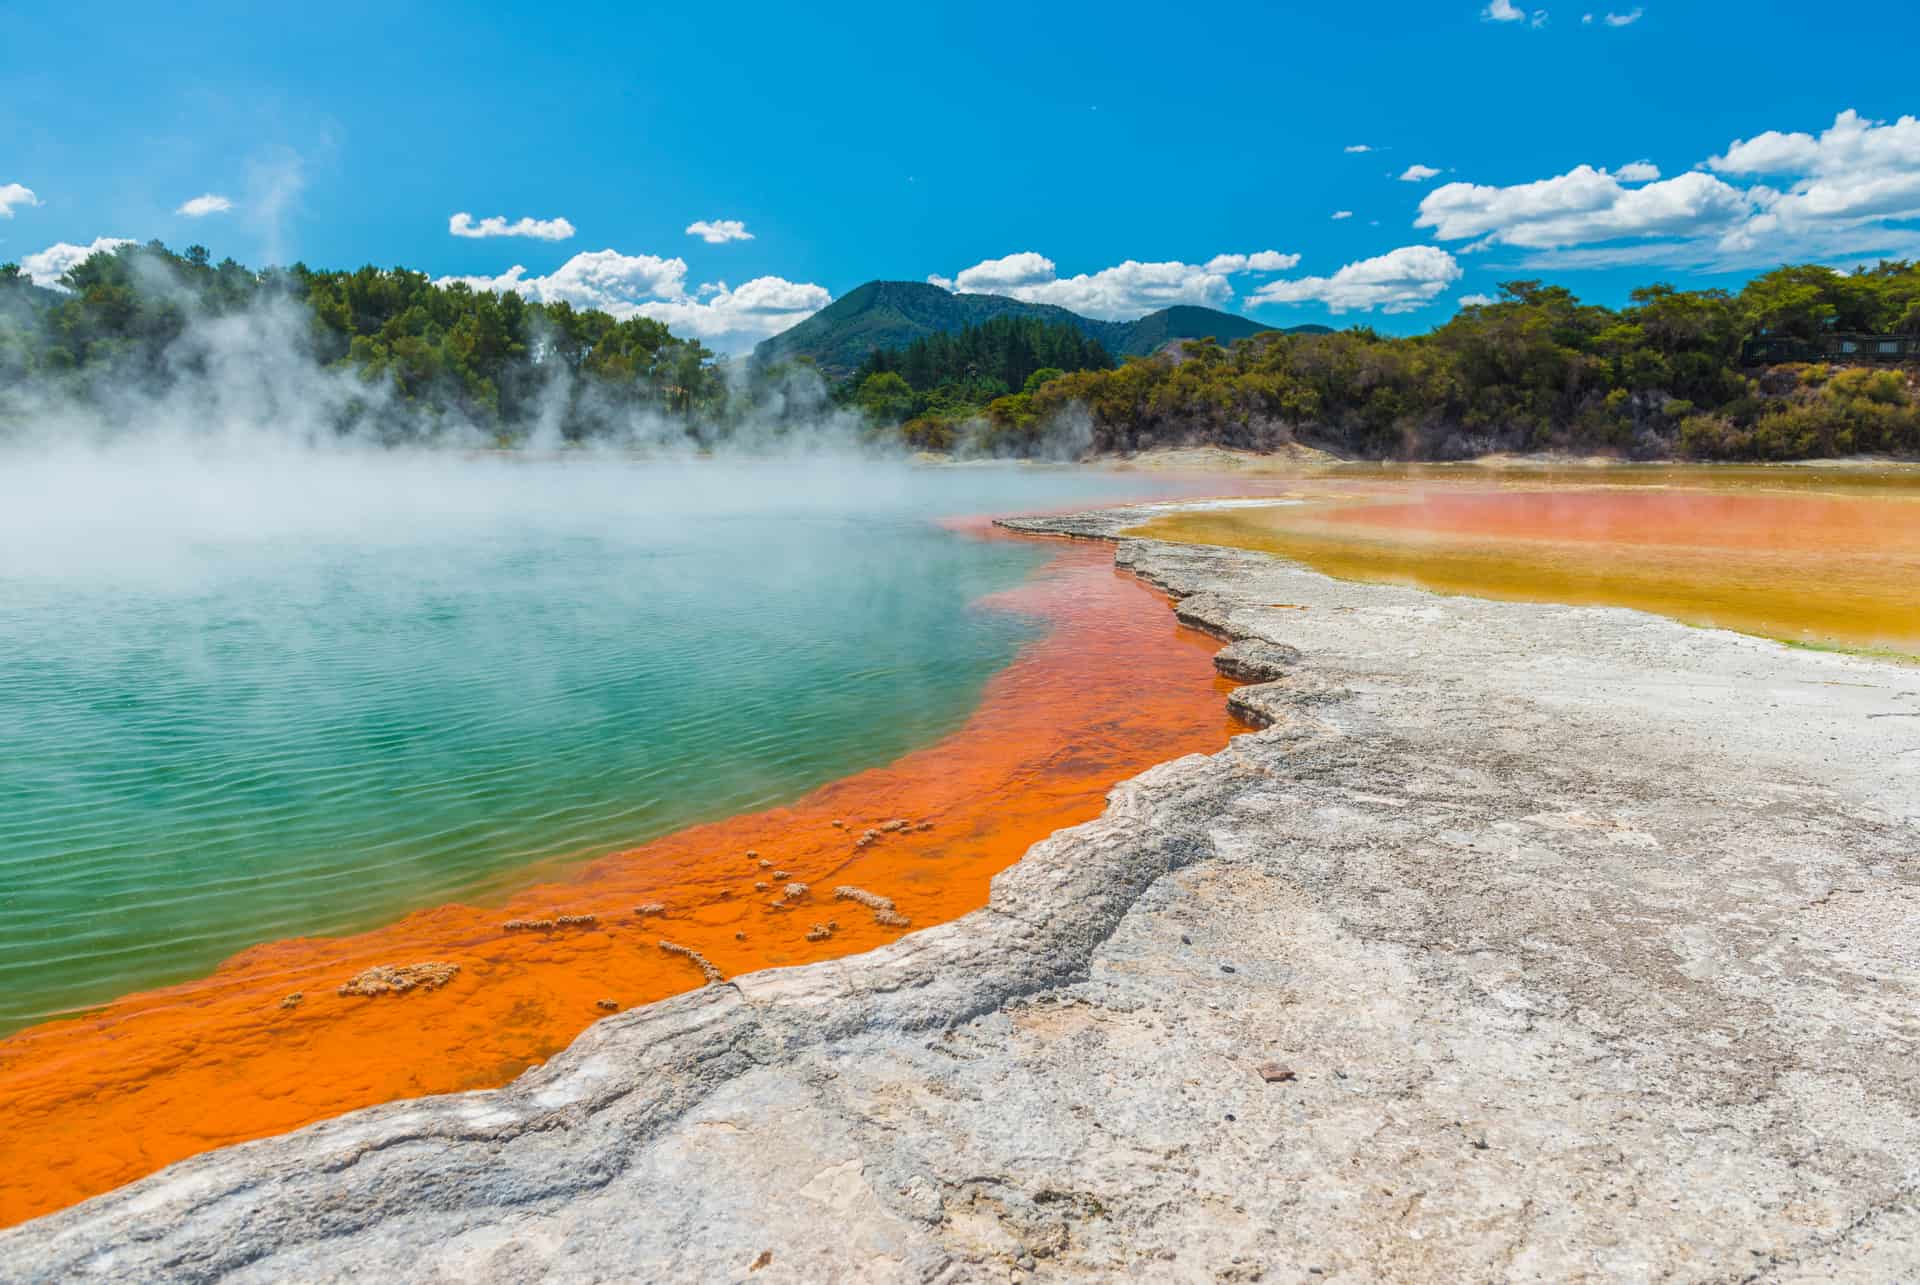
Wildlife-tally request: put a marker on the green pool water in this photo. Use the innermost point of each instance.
(244, 699)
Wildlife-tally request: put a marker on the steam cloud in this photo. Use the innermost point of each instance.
(249, 382)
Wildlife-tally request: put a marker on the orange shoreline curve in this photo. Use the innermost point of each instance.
(1112, 687)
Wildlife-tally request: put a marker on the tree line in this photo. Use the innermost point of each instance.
(937, 386)
(1535, 369)
(428, 355)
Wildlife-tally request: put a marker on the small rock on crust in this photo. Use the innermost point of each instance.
(293, 1000)
(1274, 1072)
(391, 979)
(611, 1006)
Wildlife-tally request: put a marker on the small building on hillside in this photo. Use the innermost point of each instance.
(1849, 348)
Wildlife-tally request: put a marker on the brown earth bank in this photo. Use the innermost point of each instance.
(1525, 942)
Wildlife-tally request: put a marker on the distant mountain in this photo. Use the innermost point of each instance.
(892, 314)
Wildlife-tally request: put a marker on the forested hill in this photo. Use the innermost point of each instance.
(892, 314)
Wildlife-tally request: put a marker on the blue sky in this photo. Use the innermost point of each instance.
(1036, 150)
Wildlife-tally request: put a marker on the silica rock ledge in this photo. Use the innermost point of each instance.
(1525, 942)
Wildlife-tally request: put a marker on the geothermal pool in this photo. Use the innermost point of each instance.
(1818, 557)
(286, 704)
(268, 721)
(359, 713)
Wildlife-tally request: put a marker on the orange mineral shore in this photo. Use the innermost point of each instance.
(269, 1042)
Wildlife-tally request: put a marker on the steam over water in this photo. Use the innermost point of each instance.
(248, 695)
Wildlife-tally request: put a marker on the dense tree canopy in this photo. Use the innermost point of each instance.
(434, 354)
(939, 384)
(1536, 369)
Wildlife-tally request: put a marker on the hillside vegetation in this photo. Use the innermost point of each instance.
(1535, 370)
(142, 322)
(887, 315)
(387, 352)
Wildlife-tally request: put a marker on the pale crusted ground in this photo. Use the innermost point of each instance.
(1591, 942)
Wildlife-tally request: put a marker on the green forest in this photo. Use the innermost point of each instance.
(428, 356)
(1535, 369)
(938, 385)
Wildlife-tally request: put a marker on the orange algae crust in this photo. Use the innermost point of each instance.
(1833, 569)
(465, 997)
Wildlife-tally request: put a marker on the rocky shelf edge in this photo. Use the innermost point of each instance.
(1526, 942)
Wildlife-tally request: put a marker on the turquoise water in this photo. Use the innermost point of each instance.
(243, 700)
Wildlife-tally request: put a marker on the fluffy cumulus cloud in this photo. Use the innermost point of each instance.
(1582, 206)
(15, 195)
(734, 318)
(1119, 293)
(1258, 261)
(1418, 173)
(644, 285)
(1507, 11)
(463, 224)
(1853, 189)
(603, 279)
(1397, 281)
(1476, 300)
(49, 265)
(719, 231)
(206, 203)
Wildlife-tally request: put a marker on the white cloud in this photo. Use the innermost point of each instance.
(13, 194)
(1850, 182)
(1398, 281)
(719, 231)
(1122, 292)
(1358, 147)
(735, 319)
(49, 265)
(1507, 11)
(1625, 19)
(1476, 300)
(462, 224)
(604, 279)
(1418, 173)
(1852, 190)
(1015, 271)
(1586, 20)
(1343, 214)
(1579, 207)
(201, 206)
(643, 285)
(1259, 261)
